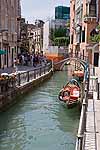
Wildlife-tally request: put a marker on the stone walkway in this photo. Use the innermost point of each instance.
(92, 135)
(20, 68)
(90, 140)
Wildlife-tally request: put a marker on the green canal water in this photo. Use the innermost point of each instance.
(39, 121)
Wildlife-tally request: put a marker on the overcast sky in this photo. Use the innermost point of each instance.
(40, 9)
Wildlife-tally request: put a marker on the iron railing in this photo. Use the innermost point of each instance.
(23, 78)
(82, 122)
(72, 55)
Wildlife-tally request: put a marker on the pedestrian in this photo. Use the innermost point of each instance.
(23, 60)
(31, 60)
(20, 59)
(15, 65)
(26, 59)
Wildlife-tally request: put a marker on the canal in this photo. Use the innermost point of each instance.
(39, 121)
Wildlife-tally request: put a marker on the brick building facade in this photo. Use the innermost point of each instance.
(84, 18)
(10, 13)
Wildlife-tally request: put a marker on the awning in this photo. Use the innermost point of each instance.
(2, 52)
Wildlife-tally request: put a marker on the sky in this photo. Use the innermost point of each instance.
(40, 9)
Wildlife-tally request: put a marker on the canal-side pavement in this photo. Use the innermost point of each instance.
(92, 134)
(19, 68)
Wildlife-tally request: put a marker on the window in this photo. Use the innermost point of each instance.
(12, 3)
(86, 8)
(15, 49)
(31, 33)
(77, 38)
(9, 49)
(72, 39)
(83, 35)
(74, 7)
(12, 25)
(4, 59)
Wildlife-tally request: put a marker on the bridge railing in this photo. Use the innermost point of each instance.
(73, 55)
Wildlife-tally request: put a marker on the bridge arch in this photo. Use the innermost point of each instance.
(82, 62)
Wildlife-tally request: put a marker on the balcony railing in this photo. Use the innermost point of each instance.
(89, 19)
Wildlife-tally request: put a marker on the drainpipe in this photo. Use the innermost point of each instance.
(99, 47)
(88, 9)
(97, 14)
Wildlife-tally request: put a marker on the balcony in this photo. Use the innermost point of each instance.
(5, 36)
(14, 37)
(89, 19)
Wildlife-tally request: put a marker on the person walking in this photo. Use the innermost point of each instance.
(31, 60)
(15, 65)
(23, 60)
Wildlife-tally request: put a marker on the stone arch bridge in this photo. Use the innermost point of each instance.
(59, 65)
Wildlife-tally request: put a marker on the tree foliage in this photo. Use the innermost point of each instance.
(61, 41)
(98, 27)
(96, 37)
(59, 37)
(61, 32)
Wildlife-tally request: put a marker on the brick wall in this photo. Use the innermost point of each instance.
(89, 25)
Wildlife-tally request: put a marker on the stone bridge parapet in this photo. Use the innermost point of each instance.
(58, 66)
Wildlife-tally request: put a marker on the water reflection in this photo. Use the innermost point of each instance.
(39, 122)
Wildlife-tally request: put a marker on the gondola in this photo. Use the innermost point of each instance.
(79, 74)
(70, 94)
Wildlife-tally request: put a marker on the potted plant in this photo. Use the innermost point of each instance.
(85, 18)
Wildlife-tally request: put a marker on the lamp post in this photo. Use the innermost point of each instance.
(1, 31)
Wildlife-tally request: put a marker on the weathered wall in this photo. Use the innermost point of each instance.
(11, 97)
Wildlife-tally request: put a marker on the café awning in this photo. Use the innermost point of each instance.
(2, 52)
